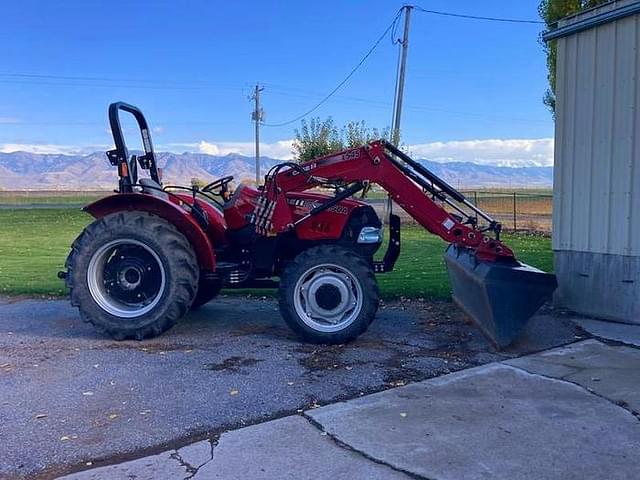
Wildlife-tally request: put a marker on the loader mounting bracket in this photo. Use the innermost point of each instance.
(393, 249)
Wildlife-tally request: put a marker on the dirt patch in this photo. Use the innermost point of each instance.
(437, 318)
(146, 346)
(322, 360)
(231, 364)
(9, 299)
(450, 347)
(257, 329)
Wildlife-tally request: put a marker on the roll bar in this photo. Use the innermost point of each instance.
(120, 154)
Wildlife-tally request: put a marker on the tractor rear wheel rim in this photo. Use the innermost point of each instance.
(126, 278)
(328, 298)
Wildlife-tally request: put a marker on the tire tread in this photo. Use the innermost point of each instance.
(183, 263)
(320, 254)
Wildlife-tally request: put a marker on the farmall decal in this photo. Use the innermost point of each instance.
(340, 209)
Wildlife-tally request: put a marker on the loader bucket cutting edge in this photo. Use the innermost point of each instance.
(499, 298)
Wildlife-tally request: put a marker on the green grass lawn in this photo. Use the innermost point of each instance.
(44, 198)
(34, 244)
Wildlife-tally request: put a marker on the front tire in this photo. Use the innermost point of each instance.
(132, 275)
(328, 294)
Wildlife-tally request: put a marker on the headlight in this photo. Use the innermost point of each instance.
(370, 235)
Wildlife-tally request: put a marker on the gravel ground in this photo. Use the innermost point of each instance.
(69, 396)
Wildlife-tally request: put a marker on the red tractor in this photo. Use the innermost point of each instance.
(156, 251)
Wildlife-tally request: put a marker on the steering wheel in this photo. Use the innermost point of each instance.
(219, 183)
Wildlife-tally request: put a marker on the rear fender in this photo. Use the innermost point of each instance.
(217, 226)
(171, 212)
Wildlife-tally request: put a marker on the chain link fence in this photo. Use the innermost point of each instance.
(527, 211)
(517, 211)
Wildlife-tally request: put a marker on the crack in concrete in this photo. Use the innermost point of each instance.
(213, 443)
(190, 469)
(613, 342)
(618, 403)
(345, 446)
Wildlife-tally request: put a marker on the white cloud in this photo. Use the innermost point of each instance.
(50, 149)
(280, 149)
(501, 152)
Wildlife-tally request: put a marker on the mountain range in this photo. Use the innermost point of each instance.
(31, 171)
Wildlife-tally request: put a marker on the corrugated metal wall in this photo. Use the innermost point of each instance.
(597, 149)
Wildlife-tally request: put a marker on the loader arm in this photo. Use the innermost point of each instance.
(417, 190)
(495, 290)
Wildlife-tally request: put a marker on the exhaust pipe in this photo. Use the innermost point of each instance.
(498, 297)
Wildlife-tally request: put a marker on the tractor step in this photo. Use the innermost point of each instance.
(226, 267)
(231, 273)
(222, 269)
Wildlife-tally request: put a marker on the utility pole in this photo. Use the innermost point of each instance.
(395, 129)
(397, 104)
(257, 116)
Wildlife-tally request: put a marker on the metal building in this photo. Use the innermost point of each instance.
(596, 203)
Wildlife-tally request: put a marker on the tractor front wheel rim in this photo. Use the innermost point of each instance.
(126, 278)
(328, 298)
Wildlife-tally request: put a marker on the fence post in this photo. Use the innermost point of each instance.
(475, 202)
(515, 210)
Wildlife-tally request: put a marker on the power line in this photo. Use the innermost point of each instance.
(392, 27)
(102, 82)
(346, 79)
(477, 17)
(101, 79)
(80, 81)
(275, 90)
(131, 86)
(29, 124)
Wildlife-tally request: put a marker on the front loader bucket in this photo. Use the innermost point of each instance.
(500, 298)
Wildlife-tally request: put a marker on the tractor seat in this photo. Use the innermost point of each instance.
(153, 188)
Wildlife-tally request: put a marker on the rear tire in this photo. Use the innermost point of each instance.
(207, 291)
(328, 294)
(132, 275)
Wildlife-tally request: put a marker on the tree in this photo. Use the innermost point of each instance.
(198, 183)
(355, 134)
(551, 11)
(317, 138)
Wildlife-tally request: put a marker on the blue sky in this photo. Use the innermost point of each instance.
(473, 89)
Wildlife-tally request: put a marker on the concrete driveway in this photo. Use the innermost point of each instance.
(69, 396)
